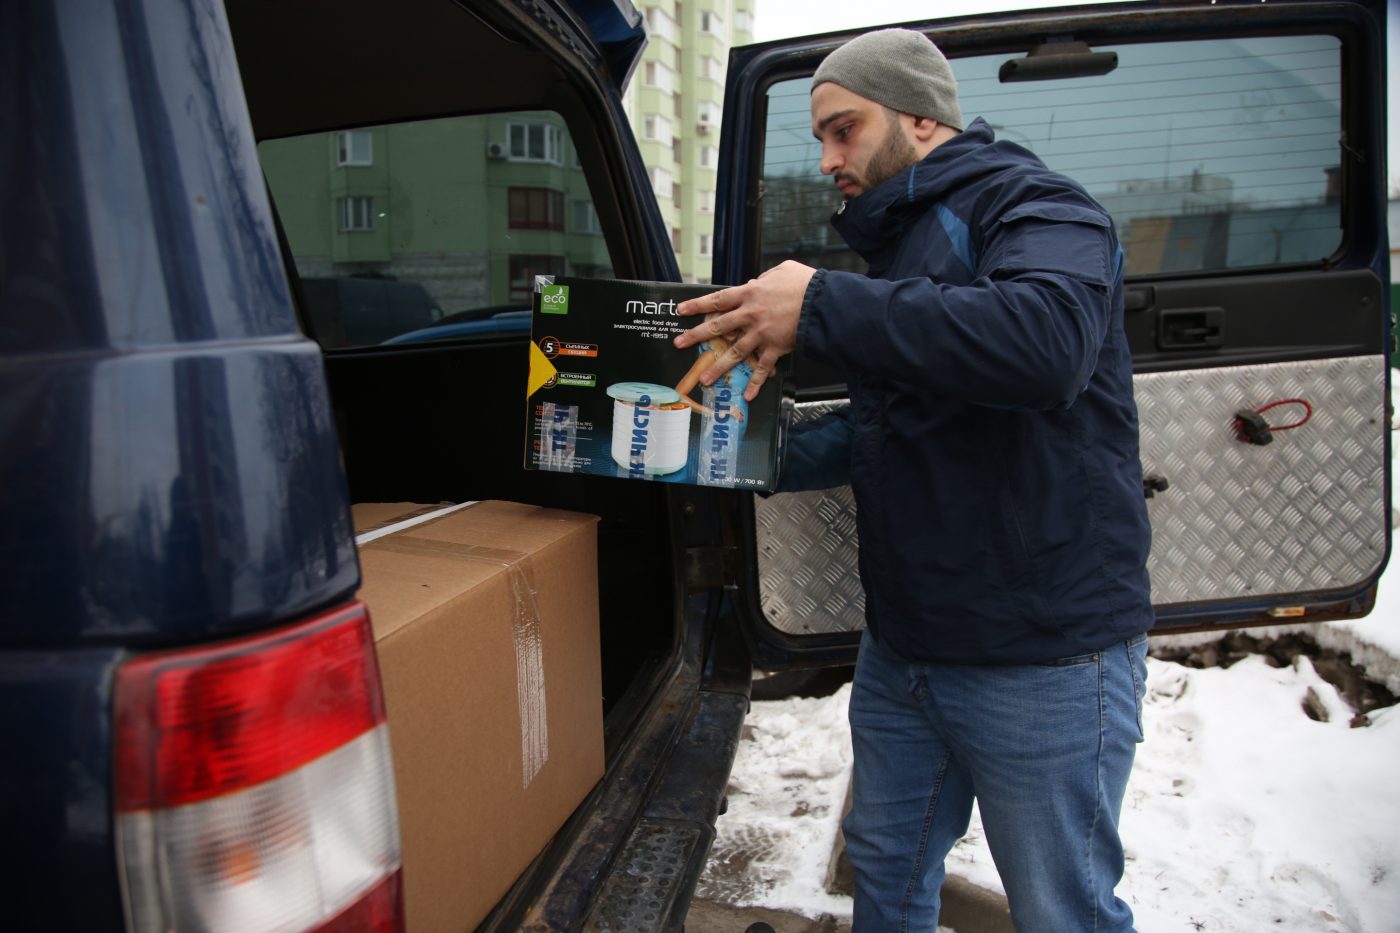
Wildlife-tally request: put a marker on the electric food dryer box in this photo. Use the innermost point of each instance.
(486, 623)
(610, 395)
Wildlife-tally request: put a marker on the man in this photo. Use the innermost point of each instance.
(992, 445)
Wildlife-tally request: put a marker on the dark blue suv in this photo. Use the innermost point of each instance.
(261, 260)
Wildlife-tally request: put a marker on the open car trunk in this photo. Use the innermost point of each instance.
(426, 160)
(427, 413)
(431, 424)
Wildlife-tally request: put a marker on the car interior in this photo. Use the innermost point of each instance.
(444, 420)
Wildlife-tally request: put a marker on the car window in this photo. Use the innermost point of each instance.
(1210, 155)
(431, 230)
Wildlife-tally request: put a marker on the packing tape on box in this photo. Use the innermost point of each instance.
(398, 523)
(525, 633)
(558, 430)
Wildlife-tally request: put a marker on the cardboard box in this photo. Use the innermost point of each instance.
(610, 395)
(486, 623)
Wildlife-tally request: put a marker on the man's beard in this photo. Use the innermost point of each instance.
(895, 154)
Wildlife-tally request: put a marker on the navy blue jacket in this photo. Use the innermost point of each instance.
(992, 437)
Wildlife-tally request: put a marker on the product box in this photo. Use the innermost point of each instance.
(486, 623)
(610, 395)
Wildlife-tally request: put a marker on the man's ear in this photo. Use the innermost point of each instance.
(924, 128)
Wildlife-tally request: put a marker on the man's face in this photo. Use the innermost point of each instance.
(862, 144)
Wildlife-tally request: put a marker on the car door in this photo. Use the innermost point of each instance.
(1239, 148)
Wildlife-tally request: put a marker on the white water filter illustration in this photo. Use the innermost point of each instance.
(651, 428)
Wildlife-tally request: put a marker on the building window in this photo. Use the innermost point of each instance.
(677, 61)
(661, 24)
(676, 195)
(660, 76)
(661, 181)
(657, 128)
(353, 147)
(743, 21)
(536, 209)
(523, 270)
(705, 241)
(711, 23)
(707, 112)
(586, 218)
(707, 202)
(356, 214)
(677, 151)
(676, 239)
(676, 104)
(711, 69)
(709, 157)
(536, 142)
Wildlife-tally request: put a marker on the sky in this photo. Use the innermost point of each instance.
(778, 19)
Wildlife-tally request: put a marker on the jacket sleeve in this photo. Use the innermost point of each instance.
(1025, 333)
(818, 453)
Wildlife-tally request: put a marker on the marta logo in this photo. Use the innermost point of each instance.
(554, 299)
(652, 307)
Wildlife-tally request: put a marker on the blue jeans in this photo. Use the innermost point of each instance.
(1044, 748)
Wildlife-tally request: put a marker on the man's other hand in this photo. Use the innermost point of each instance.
(758, 319)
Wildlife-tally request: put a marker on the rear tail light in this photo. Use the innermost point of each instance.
(254, 786)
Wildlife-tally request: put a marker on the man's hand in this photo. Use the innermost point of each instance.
(759, 319)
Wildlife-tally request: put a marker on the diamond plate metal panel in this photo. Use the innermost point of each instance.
(808, 583)
(1304, 513)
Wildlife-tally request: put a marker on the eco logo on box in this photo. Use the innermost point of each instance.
(554, 299)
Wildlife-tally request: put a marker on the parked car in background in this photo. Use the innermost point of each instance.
(361, 310)
(237, 240)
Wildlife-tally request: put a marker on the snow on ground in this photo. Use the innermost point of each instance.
(1243, 813)
(786, 794)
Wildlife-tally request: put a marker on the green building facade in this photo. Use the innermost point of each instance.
(674, 103)
(470, 208)
(456, 216)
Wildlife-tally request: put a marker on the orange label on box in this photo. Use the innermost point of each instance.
(578, 349)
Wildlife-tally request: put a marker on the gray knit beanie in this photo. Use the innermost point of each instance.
(899, 68)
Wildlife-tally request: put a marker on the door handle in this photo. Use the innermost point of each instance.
(1190, 328)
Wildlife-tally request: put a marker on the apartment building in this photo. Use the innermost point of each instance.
(466, 209)
(674, 101)
(460, 214)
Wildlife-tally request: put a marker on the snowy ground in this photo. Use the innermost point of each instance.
(1243, 814)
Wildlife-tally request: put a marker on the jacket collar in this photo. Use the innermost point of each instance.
(872, 222)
